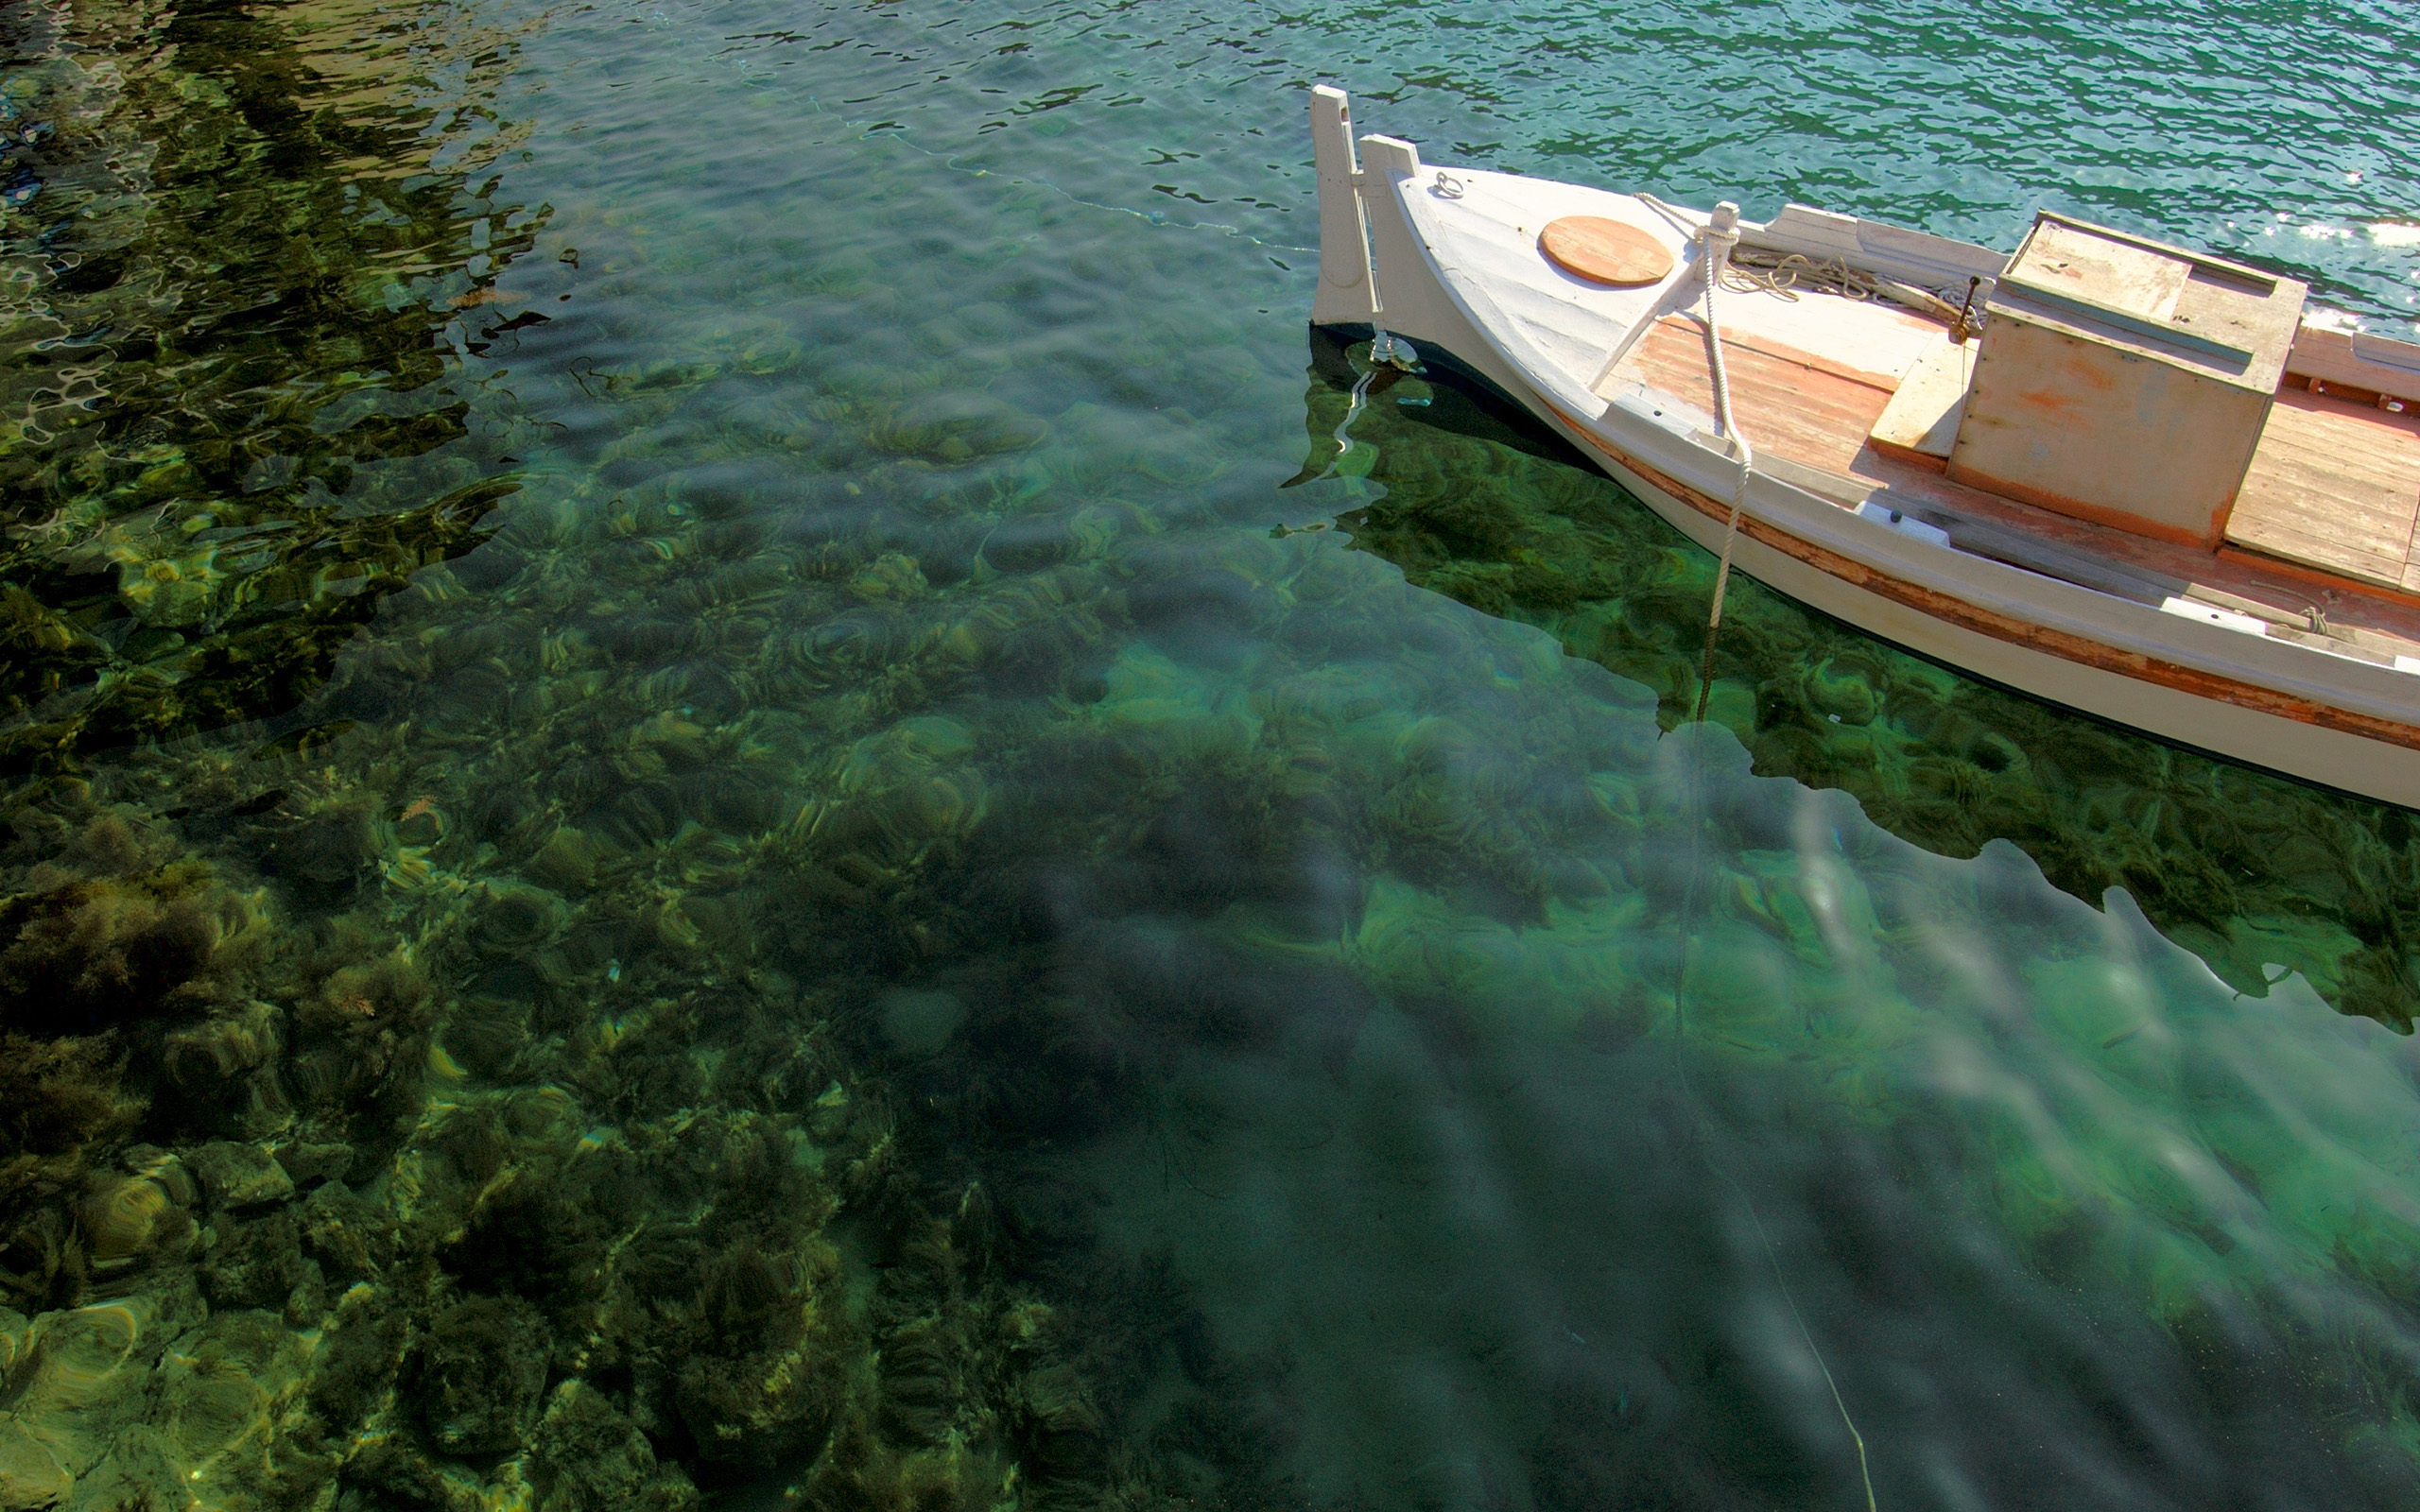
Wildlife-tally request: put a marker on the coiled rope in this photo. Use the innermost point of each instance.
(1786, 273)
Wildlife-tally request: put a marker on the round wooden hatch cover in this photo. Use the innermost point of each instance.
(1604, 251)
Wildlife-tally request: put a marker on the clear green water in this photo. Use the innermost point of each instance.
(689, 821)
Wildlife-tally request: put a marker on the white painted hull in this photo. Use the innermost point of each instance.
(2347, 724)
(2352, 762)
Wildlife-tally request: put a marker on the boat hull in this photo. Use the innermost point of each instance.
(2357, 731)
(2357, 765)
(2312, 753)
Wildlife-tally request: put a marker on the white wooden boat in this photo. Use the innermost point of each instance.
(2150, 489)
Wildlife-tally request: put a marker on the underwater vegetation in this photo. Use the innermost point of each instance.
(445, 911)
(755, 916)
(224, 268)
(286, 1221)
(2251, 871)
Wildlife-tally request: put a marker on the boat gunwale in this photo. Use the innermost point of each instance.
(2082, 649)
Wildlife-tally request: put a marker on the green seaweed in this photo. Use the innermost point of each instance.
(480, 1375)
(231, 432)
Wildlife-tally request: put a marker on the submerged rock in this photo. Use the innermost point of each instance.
(79, 1405)
(589, 1457)
(240, 1175)
(29, 1475)
(765, 1379)
(122, 1216)
(361, 1349)
(479, 1373)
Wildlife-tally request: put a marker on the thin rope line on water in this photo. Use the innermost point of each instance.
(1716, 237)
(1864, 1472)
(1160, 219)
(1689, 918)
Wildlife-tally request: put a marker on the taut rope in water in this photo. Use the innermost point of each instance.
(1389, 355)
(1719, 234)
(1716, 238)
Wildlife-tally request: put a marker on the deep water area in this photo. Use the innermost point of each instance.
(719, 792)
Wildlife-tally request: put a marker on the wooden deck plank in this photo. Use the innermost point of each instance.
(1784, 401)
(2337, 521)
(2324, 534)
(1821, 419)
(2333, 485)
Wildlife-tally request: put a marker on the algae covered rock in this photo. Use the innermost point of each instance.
(479, 1373)
(140, 1470)
(589, 1457)
(123, 1216)
(349, 1236)
(219, 1397)
(765, 1378)
(360, 1351)
(239, 1176)
(31, 1476)
(78, 1403)
(218, 1073)
(62, 1104)
(308, 1165)
(260, 1263)
(17, 1338)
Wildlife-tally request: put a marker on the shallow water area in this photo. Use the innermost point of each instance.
(693, 822)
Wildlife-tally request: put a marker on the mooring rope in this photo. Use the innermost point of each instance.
(1785, 274)
(1719, 234)
(1717, 237)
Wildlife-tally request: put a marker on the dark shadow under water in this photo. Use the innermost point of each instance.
(1507, 1244)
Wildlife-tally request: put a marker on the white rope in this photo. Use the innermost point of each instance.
(1715, 241)
(1681, 220)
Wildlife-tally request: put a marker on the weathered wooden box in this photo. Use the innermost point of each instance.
(2124, 381)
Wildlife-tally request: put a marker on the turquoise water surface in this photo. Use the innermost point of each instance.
(717, 795)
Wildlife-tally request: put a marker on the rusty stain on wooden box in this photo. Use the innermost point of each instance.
(2124, 381)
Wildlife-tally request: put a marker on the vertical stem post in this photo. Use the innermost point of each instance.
(1346, 292)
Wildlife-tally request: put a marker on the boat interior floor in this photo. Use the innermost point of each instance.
(2319, 543)
(2334, 485)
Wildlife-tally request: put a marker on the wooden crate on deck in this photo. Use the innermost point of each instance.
(2124, 381)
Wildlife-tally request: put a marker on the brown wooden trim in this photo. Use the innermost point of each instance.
(1908, 456)
(2385, 399)
(2068, 647)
